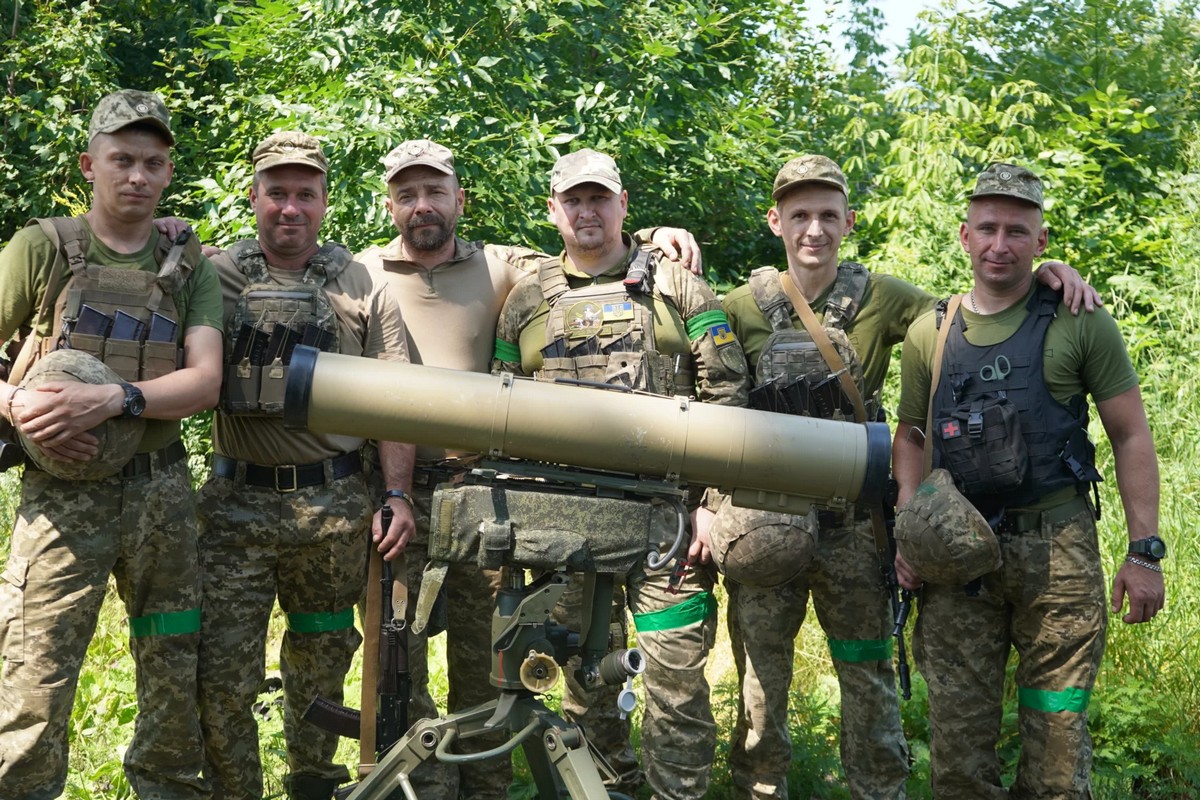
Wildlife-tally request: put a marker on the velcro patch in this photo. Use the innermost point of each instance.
(722, 334)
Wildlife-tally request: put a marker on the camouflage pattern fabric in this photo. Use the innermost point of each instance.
(852, 609)
(68, 538)
(1047, 601)
(679, 734)
(942, 536)
(310, 548)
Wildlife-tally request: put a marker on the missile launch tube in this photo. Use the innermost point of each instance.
(772, 461)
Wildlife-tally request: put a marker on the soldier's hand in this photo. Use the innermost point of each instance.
(700, 550)
(1075, 289)
(171, 227)
(679, 245)
(58, 416)
(392, 542)
(1143, 587)
(906, 576)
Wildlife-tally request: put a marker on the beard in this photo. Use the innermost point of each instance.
(428, 238)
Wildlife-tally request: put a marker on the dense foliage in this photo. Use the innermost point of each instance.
(700, 102)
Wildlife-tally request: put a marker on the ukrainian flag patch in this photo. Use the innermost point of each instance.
(721, 334)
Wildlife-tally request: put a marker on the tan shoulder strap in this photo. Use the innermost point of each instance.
(821, 339)
(943, 333)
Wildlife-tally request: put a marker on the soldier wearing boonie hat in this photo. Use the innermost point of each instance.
(998, 381)
(288, 515)
(108, 492)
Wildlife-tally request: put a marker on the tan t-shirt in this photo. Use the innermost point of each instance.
(450, 311)
(370, 325)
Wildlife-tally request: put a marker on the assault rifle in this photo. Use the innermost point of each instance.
(393, 686)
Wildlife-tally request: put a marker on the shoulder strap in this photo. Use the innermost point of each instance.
(70, 239)
(553, 279)
(845, 298)
(828, 351)
(943, 333)
(768, 295)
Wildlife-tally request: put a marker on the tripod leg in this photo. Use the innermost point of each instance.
(562, 765)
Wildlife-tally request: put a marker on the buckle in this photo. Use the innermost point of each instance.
(286, 469)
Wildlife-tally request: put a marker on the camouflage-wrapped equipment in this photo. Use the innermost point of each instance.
(119, 438)
(942, 536)
(761, 548)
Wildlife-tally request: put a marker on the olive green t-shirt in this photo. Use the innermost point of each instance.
(25, 267)
(1082, 355)
(370, 326)
(888, 307)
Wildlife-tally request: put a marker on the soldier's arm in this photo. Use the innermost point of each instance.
(1124, 420)
(1075, 289)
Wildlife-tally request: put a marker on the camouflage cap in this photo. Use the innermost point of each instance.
(809, 169)
(116, 110)
(585, 166)
(119, 438)
(761, 548)
(289, 147)
(942, 536)
(1009, 180)
(417, 153)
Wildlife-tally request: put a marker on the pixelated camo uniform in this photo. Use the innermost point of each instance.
(674, 339)
(306, 546)
(68, 537)
(844, 582)
(1047, 601)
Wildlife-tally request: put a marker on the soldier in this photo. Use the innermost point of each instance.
(661, 330)
(803, 328)
(286, 514)
(450, 292)
(106, 284)
(1004, 400)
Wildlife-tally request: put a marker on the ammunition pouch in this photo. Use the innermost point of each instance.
(514, 522)
(981, 445)
(805, 397)
(267, 324)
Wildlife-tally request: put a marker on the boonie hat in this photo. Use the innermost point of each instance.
(1009, 180)
(127, 106)
(289, 147)
(761, 548)
(119, 438)
(809, 169)
(417, 152)
(942, 536)
(585, 166)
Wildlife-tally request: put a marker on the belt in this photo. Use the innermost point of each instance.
(1016, 520)
(145, 463)
(288, 477)
(828, 518)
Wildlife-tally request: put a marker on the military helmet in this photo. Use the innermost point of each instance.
(119, 438)
(761, 548)
(942, 536)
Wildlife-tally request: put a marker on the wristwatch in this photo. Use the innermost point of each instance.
(135, 402)
(1151, 547)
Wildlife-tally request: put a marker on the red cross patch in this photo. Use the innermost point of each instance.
(951, 429)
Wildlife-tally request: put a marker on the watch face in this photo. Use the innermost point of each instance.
(1156, 547)
(135, 402)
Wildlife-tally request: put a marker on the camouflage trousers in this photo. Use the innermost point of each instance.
(309, 548)
(69, 536)
(1048, 602)
(853, 610)
(470, 601)
(675, 632)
